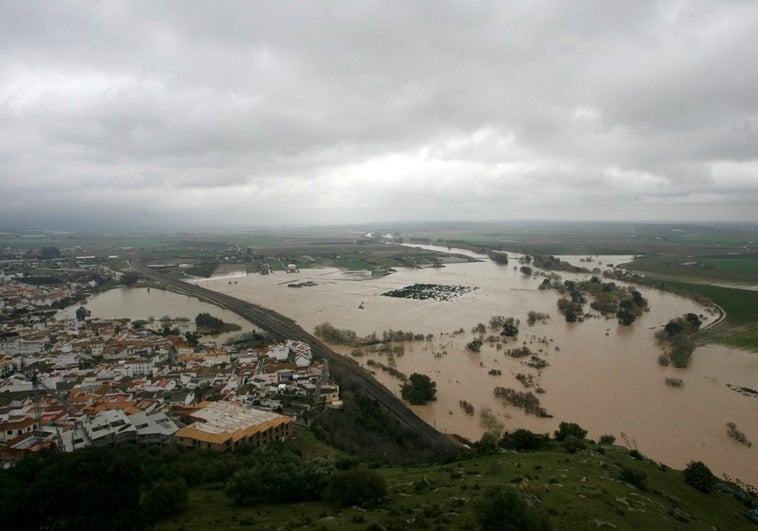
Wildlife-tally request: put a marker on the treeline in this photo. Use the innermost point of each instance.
(331, 334)
(498, 257)
(252, 339)
(119, 488)
(551, 263)
(282, 475)
(206, 323)
(126, 488)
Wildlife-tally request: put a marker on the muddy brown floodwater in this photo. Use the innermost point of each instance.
(603, 376)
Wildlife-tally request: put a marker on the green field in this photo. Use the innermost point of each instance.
(737, 265)
(202, 270)
(699, 268)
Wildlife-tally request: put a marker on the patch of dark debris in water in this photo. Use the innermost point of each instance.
(437, 292)
(746, 391)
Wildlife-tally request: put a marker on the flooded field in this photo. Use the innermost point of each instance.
(601, 375)
(143, 303)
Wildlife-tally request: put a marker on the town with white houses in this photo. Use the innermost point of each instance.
(74, 383)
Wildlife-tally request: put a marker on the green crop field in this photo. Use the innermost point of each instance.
(202, 270)
(700, 269)
(740, 265)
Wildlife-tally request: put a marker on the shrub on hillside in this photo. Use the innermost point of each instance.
(165, 497)
(573, 444)
(503, 507)
(569, 428)
(523, 440)
(698, 475)
(635, 477)
(357, 486)
(488, 444)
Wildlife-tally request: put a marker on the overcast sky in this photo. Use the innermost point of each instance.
(143, 114)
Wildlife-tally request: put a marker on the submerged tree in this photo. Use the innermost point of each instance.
(419, 390)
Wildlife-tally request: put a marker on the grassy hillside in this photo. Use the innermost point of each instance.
(577, 491)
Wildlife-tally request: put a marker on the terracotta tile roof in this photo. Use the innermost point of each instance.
(219, 422)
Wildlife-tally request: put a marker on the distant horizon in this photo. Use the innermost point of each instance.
(372, 224)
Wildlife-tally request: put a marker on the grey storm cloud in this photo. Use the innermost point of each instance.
(200, 113)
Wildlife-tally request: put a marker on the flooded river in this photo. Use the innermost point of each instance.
(601, 375)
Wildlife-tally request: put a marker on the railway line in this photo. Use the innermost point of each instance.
(281, 327)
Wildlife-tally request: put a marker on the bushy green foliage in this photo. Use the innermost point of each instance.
(280, 476)
(475, 345)
(357, 486)
(502, 507)
(572, 444)
(533, 317)
(680, 347)
(498, 258)
(693, 320)
(510, 327)
(497, 322)
(570, 309)
(635, 477)
(206, 322)
(569, 428)
(488, 444)
(698, 475)
(606, 439)
(609, 299)
(528, 401)
(553, 263)
(419, 389)
(523, 440)
(605, 303)
(625, 317)
(330, 334)
(165, 497)
(95, 488)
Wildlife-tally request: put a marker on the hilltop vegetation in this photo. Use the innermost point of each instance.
(529, 480)
(541, 487)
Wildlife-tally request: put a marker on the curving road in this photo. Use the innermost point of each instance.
(281, 328)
